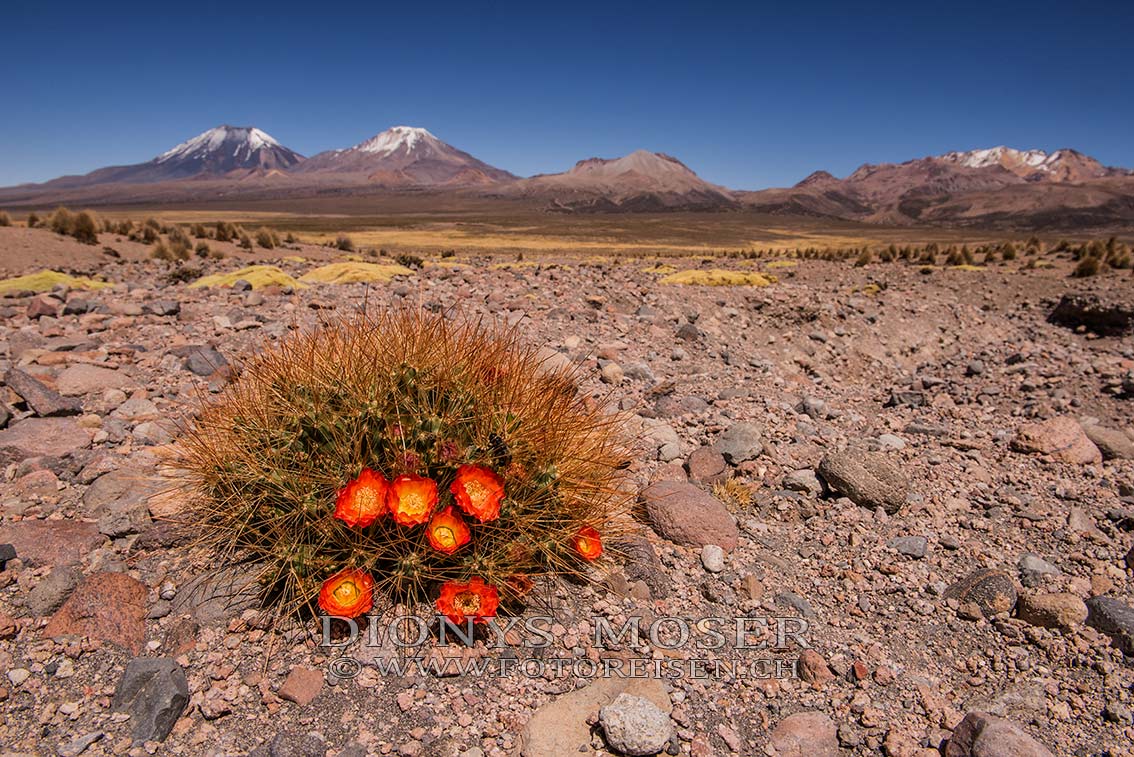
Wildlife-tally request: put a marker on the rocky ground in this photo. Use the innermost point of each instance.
(932, 476)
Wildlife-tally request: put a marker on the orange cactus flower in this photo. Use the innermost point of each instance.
(478, 492)
(588, 543)
(362, 501)
(476, 600)
(411, 499)
(347, 594)
(447, 531)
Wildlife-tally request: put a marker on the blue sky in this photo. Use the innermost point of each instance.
(747, 96)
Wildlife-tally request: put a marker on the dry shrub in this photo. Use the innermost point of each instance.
(5, 219)
(403, 392)
(85, 227)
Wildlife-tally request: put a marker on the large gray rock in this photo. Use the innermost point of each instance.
(739, 443)
(201, 359)
(1115, 619)
(154, 692)
(984, 735)
(869, 479)
(684, 514)
(50, 593)
(634, 725)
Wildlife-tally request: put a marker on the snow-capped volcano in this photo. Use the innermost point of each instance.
(1033, 165)
(406, 156)
(224, 151)
(399, 138)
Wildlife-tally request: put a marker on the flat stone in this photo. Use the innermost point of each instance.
(910, 546)
(214, 597)
(869, 479)
(803, 480)
(805, 734)
(52, 542)
(684, 514)
(80, 744)
(1115, 619)
(739, 443)
(43, 401)
(634, 725)
(991, 590)
(1034, 569)
(42, 437)
(1112, 443)
(106, 606)
(982, 735)
(560, 726)
(1059, 438)
(302, 685)
(1062, 610)
(154, 692)
(83, 378)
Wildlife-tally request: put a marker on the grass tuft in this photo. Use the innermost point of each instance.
(45, 281)
(257, 275)
(717, 277)
(353, 272)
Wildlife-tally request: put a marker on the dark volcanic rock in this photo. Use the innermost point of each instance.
(154, 692)
(1114, 619)
(1106, 318)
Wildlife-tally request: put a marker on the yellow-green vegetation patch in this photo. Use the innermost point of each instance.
(662, 269)
(46, 280)
(257, 275)
(871, 290)
(781, 264)
(353, 273)
(966, 267)
(716, 277)
(293, 259)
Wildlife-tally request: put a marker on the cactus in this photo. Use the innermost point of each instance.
(414, 449)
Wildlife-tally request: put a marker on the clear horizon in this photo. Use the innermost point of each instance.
(748, 98)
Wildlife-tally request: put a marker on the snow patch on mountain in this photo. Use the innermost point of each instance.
(245, 141)
(395, 138)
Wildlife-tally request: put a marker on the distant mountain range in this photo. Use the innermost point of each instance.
(999, 186)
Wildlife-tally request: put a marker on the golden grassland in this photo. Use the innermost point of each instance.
(417, 228)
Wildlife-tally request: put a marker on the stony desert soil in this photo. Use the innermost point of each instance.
(939, 481)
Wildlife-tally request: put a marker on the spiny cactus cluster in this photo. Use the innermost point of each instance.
(403, 458)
